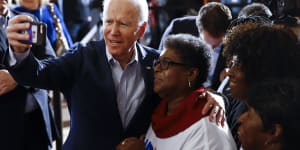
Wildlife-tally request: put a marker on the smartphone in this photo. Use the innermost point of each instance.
(37, 34)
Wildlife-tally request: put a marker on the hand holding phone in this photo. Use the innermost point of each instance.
(37, 33)
(22, 33)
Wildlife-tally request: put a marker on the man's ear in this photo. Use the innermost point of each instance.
(142, 30)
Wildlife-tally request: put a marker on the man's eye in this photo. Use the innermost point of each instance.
(108, 22)
(124, 24)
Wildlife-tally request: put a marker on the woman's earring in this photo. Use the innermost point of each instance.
(189, 83)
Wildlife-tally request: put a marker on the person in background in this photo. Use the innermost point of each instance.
(255, 9)
(162, 12)
(78, 17)
(291, 22)
(48, 13)
(177, 122)
(185, 24)
(272, 119)
(26, 117)
(285, 13)
(211, 24)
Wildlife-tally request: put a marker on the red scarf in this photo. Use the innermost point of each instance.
(186, 114)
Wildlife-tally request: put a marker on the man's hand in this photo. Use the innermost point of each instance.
(131, 143)
(7, 83)
(214, 107)
(3, 8)
(15, 35)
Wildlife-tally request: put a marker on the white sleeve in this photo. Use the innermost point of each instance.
(209, 136)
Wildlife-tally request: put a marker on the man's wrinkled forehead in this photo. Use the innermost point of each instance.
(124, 8)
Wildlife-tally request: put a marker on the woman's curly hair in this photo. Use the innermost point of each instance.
(264, 51)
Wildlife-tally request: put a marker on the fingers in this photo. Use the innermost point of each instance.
(213, 108)
(142, 137)
(19, 23)
(222, 121)
(18, 46)
(20, 18)
(220, 117)
(122, 145)
(207, 108)
(3, 7)
(213, 113)
(216, 99)
(131, 143)
(217, 115)
(123, 142)
(15, 32)
(209, 104)
(3, 89)
(7, 83)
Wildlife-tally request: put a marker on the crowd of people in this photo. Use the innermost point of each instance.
(215, 82)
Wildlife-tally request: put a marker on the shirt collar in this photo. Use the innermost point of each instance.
(3, 22)
(112, 60)
(218, 48)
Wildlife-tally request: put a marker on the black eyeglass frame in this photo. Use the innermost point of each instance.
(233, 62)
(164, 63)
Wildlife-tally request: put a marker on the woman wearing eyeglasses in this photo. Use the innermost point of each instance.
(177, 122)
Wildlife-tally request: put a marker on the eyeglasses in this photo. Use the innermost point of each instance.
(234, 62)
(164, 64)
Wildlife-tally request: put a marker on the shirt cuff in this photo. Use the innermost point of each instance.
(3, 21)
(15, 57)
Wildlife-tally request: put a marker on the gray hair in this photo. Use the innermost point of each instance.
(142, 6)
